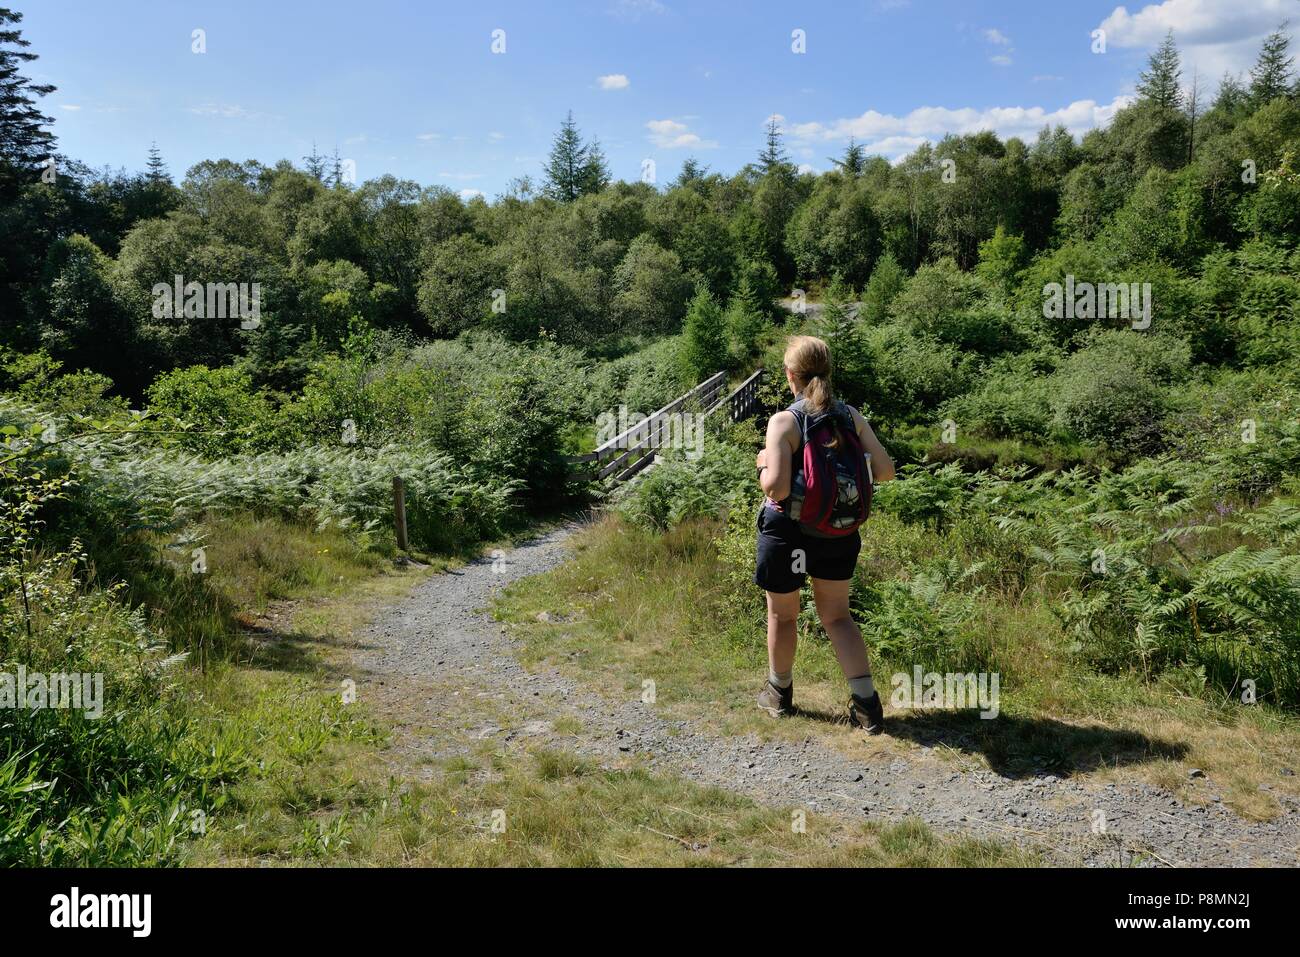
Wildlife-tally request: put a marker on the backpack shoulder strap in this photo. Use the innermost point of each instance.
(798, 410)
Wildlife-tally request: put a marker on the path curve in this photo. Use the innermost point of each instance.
(438, 651)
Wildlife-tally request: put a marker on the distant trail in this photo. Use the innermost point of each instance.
(443, 670)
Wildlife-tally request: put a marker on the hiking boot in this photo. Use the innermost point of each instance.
(776, 701)
(867, 713)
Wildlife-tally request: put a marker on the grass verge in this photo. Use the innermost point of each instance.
(634, 605)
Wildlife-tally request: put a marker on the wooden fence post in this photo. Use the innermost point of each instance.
(399, 511)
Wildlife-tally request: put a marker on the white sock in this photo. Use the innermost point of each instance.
(782, 680)
(862, 687)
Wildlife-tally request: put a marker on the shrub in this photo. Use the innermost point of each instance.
(1110, 392)
(1012, 400)
(704, 338)
(63, 770)
(652, 290)
(910, 375)
(935, 292)
(217, 411)
(677, 488)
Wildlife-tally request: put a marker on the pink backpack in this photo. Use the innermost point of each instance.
(830, 494)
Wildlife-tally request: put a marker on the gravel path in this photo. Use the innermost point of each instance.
(437, 659)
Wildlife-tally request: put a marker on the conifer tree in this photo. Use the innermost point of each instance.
(854, 160)
(773, 153)
(704, 338)
(156, 168)
(886, 282)
(1159, 83)
(24, 141)
(843, 333)
(594, 174)
(1270, 77)
(746, 319)
(692, 171)
(567, 164)
(315, 164)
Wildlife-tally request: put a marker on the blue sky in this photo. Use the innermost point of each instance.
(414, 88)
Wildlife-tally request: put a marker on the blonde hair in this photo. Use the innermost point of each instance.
(808, 360)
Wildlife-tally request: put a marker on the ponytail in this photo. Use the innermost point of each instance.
(809, 361)
(817, 394)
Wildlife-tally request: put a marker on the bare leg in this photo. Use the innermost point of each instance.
(832, 599)
(782, 630)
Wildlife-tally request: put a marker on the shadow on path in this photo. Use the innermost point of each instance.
(1021, 747)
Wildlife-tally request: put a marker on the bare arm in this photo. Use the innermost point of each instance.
(882, 466)
(782, 439)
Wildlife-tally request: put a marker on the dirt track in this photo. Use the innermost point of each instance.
(437, 659)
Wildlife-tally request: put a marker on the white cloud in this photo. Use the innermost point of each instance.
(496, 137)
(1214, 36)
(429, 136)
(460, 175)
(1196, 21)
(894, 147)
(636, 9)
(672, 134)
(997, 38)
(73, 107)
(468, 194)
(806, 168)
(232, 111)
(613, 81)
(894, 136)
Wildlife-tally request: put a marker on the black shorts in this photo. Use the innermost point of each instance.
(778, 539)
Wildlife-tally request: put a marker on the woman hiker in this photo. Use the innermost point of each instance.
(800, 534)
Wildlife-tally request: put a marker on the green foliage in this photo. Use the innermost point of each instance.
(1013, 399)
(747, 323)
(704, 338)
(1110, 392)
(644, 380)
(887, 280)
(841, 329)
(835, 231)
(651, 289)
(456, 287)
(216, 411)
(1001, 258)
(679, 487)
(500, 409)
(922, 619)
(64, 767)
(954, 307)
(910, 375)
(760, 276)
(574, 168)
(38, 378)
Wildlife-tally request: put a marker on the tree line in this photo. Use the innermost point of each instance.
(592, 261)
